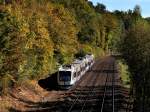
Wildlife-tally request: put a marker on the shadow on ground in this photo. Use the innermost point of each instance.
(93, 102)
(49, 83)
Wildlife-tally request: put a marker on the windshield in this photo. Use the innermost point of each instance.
(64, 75)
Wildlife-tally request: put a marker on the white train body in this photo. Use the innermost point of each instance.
(68, 75)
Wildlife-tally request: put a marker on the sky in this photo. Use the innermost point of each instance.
(125, 5)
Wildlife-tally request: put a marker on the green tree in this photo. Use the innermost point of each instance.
(101, 8)
(136, 52)
(137, 10)
(12, 37)
(63, 30)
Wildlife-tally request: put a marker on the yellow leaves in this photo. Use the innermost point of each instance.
(41, 29)
(110, 21)
(8, 8)
(63, 30)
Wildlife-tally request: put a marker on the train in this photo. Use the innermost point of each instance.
(69, 74)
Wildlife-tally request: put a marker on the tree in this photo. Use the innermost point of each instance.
(90, 4)
(63, 30)
(13, 32)
(137, 11)
(135, 49)
(100, 8)
(39, 48)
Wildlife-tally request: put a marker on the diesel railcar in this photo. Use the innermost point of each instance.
(68, 75)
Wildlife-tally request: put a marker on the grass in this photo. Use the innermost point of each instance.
(124, 72)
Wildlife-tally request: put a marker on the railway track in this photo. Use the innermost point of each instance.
(108, 91)
(99, 90)
(84, 106)
(84, 97)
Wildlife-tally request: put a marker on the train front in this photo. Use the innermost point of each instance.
(64, 77)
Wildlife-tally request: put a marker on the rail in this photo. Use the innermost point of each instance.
(113, 89)
(105, 91)
(90, 92)
(104, 94)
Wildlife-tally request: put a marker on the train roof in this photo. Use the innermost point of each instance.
(67, 67)
(75, 63)
(89, 55)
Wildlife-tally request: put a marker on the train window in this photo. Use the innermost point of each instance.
(64, 75)
(74, 75)
(79, 73)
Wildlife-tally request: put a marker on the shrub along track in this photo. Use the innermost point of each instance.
(99, 90)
